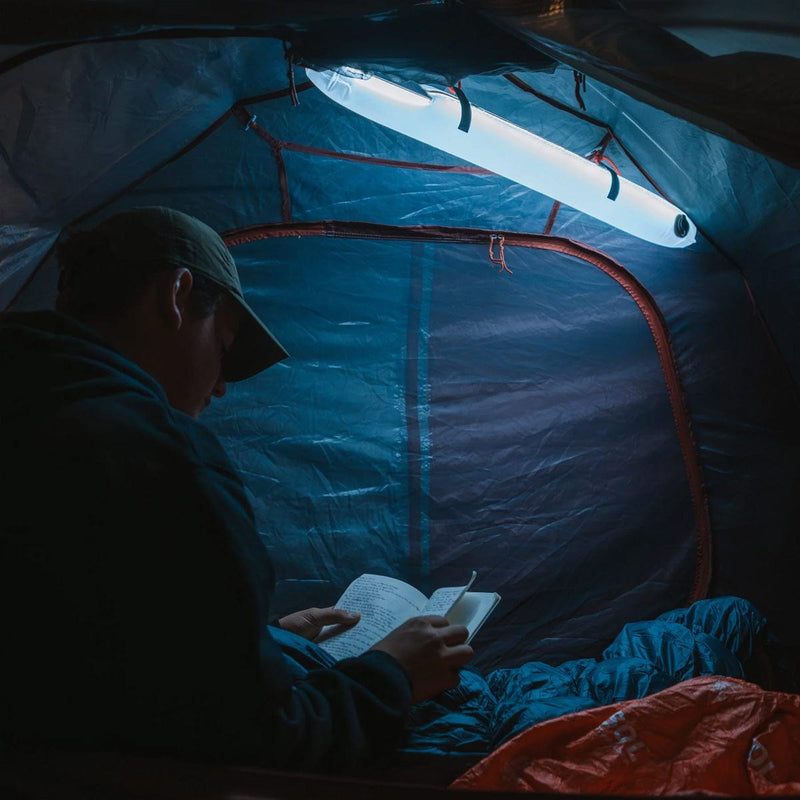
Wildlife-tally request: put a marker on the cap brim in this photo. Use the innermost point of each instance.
(254, 348)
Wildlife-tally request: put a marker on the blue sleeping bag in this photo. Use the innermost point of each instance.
(710, 637)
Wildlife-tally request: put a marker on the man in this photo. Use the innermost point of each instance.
(135, 589)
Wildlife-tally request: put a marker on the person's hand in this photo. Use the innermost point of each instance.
(309, 622)
(431, 651)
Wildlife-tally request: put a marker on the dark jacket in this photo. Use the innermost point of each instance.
(134, 587)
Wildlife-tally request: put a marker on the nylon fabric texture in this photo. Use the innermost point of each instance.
(707, 734)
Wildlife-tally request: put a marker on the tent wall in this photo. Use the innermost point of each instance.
(440, 413)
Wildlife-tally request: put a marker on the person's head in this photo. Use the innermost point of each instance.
(163, 288)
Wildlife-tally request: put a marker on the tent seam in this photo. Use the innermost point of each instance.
(628, 282)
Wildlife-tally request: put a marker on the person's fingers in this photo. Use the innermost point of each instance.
(454, 679)
(335, 616)
(454, 634)
(336, 619)
(435, 620)
(457, 656)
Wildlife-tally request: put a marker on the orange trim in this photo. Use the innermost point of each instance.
(643, 299)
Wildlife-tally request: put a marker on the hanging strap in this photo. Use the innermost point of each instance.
(289, 56)
(466, 109)
(580, 88)
(501, 257)
(614, 190)
(602, 160)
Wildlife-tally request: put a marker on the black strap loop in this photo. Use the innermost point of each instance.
(466, 110)
(289, 56)
(613, 192)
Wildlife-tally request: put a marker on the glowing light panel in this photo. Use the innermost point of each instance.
(434, 116)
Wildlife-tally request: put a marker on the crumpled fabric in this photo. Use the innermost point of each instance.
(705, 734)
(709, 637)
(463, 725)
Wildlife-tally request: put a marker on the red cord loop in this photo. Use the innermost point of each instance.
(600, 158)
(501, 256)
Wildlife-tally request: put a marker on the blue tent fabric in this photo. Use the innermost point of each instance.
(438, 415)
(439, 412)
(477, 512)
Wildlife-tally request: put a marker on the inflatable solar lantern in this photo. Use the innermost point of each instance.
(446, 121)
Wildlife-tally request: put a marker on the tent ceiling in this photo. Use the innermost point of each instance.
(682, 57)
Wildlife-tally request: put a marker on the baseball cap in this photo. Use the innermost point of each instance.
(151, 234)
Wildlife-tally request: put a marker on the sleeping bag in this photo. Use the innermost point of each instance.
(452, 732)
(707, 734)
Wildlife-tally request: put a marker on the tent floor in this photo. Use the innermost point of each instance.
(104, 776)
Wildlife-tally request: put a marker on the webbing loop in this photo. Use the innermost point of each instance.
(289, 56)
(466, 110)
(603, 160)
(580, 88)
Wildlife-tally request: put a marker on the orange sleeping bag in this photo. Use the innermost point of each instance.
(707, 734)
